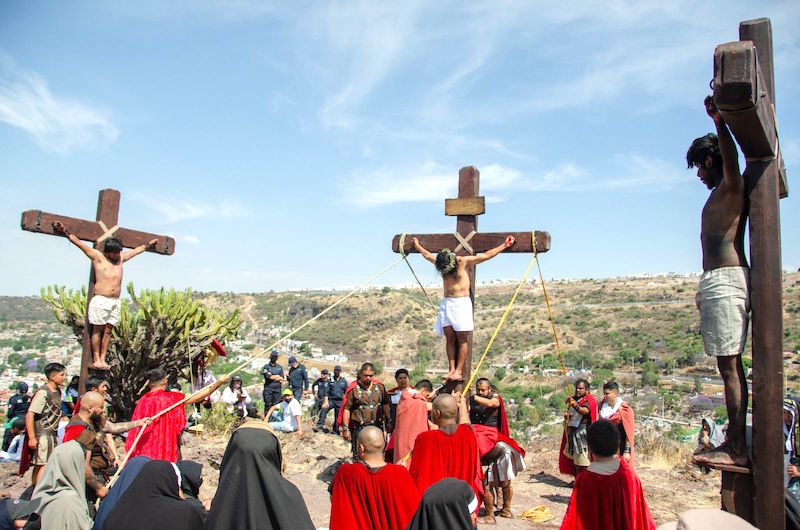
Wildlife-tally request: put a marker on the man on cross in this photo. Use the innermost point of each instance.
(104, 307)
(723, 296)
(455, 312)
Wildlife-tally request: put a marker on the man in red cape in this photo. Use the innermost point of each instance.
(371, 494)
(608, 494)
(615, 410)
(573, 457)
(412, 419)
(505, 459)
(450, 451)
(161, 437)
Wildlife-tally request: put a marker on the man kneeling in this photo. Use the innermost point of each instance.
(608, 494)
(371, 494)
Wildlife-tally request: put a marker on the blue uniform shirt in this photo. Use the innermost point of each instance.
(338, 388)
(298, 377)
(272, 369)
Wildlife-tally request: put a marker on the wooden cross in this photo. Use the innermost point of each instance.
(466, 239)
(744, 92)
(95, 231)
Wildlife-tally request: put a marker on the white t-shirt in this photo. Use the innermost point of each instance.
(290, 410)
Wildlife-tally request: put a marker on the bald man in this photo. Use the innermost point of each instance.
(89, 427)
(450, 451)
(370, 493)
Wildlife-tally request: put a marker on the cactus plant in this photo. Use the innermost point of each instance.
(157, 329)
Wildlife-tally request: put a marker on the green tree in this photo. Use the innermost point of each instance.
(157, 329)
(500, 373)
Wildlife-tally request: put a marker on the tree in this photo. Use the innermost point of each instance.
(157, 329)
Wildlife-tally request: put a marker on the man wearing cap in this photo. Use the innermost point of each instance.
(289, 407)
(320, 388)
(273, 379)
(298, 378)
(336, 392)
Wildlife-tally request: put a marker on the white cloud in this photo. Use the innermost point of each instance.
(194, 240)
(431, 181)
(182, 209)
(57, 124)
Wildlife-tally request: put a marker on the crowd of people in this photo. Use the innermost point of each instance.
(421, 457)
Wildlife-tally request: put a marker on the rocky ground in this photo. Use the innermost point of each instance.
(310, 459)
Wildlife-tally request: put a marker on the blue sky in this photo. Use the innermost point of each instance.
(284, 145)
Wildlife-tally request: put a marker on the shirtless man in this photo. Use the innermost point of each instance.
(723, 295)
(455, 312)
(103, 311)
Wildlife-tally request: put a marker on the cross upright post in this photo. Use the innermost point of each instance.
(744, 93)
(96, 231)
(467, 241)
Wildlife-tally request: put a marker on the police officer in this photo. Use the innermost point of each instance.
(335, 396)
(17, 408)
(273, 379)
(321, 387)
(298, 378)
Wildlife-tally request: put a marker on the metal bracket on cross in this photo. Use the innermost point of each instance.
(463, 242)
(107, 232)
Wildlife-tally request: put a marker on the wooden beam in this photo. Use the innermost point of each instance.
(465, 206)
(480, 242)
(42, 222)
(740, 93)
(763, 180)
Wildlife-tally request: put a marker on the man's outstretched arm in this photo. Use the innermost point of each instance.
(422, 250)
(727, 148)
(489, 254)
(86, 249)
(138, 250)
(201, 395)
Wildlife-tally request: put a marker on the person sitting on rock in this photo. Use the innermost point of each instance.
(290, 412)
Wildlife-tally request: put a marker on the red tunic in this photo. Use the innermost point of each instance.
(412, 419)
(625, 416)
(601, 502)
(383, 499)
(487, 437)
(160, 440)
(567, 465)
(439, 455)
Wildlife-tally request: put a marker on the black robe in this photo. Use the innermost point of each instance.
(252, 494)
(153, 502)
(191, 480)
(445, 505)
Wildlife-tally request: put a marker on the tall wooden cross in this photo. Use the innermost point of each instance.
(466, 239)
(744, 92)
(97, 231)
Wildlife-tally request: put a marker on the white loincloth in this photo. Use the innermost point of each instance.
(455, 312)
(104, 310)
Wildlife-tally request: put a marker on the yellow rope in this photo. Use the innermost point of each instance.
(550, 316)
(503, 318)
(403, 253)
(248, 361)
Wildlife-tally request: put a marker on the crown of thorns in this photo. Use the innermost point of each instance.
(451, 261)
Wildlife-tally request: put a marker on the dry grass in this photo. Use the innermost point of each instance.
(660, 451)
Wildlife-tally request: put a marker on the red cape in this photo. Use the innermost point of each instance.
(72, 431)
(160, 440)
(362, 500)
(438, 455)
(626, 417)
(351, 386)
(602, 502)
(26, 457)
(412, 419)
(487, 437)
(502, 419)
(565, 465)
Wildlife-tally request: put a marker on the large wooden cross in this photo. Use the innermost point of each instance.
(466, 239)
(744, 92)
(97, 231)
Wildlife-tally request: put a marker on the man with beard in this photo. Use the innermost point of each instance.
(104, 307)
(582, 412)
(89, 427)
